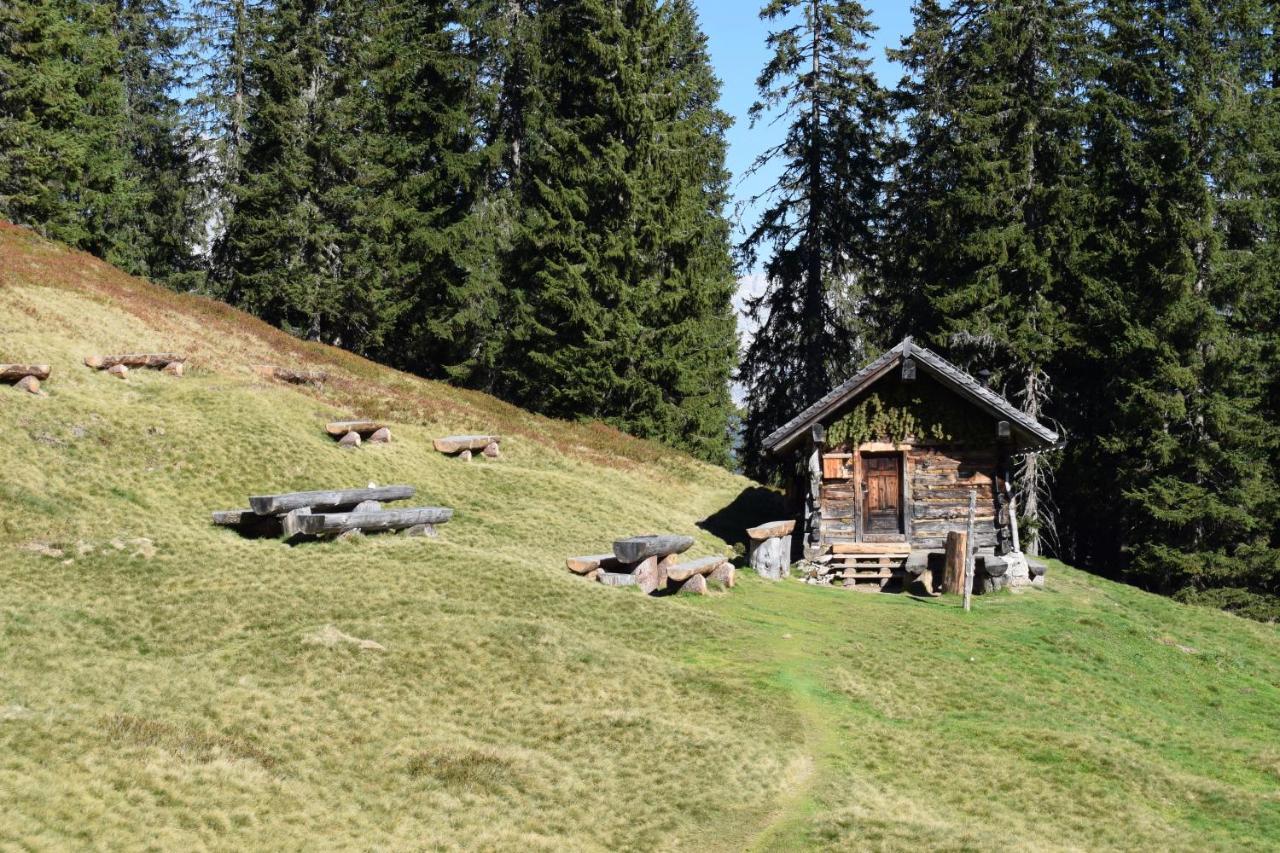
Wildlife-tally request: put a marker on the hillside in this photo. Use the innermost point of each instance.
(156, 689)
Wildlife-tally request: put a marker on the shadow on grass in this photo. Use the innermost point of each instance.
(753, 505)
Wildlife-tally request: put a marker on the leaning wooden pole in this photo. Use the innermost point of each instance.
(969, 550)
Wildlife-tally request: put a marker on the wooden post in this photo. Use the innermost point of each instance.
(813, 506)
(1013, 521)
(969, 550)
(953, 575)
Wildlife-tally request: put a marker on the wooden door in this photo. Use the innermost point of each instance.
(882, 493)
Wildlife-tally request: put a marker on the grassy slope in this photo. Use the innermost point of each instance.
(169, 699)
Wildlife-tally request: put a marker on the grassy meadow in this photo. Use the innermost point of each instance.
(168, 684)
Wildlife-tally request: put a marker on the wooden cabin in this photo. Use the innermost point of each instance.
(890, 457)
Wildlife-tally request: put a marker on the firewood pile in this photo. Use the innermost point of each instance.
(25, 377)
(465, 446)
(351, 434)
(341, 513)
(651, 563)
(119, 365)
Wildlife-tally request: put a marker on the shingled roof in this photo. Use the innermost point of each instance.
(1034, 434)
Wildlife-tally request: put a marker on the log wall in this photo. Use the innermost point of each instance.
(938, 479)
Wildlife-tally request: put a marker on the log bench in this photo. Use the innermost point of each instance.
(352, 433)
(464, 446)
(119, 365)
(26, 377)
(651, 563)
(770, 548)
(329, 513)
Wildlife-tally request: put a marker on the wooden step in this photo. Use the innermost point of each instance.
(867, 576)
(879, 548)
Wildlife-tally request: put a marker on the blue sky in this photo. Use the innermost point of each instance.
(736, 40)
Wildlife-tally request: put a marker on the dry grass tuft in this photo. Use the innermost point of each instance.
(185, 742)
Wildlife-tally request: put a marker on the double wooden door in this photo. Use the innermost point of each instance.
(882, 493)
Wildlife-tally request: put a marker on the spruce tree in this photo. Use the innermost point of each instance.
(63, 164)
(823, 221)
(987, 198)
(1173, 487)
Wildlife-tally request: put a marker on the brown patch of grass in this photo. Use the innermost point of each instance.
(464, 768)
(193, 745)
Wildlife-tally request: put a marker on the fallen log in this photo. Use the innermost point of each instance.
(771, 529)
(338, 429)
(156, 360)
(696, 585)
(296, 377)
(681, 572)
(14, 372)
(173, 368)
(583, 565)
(332, 523)
(456, 443)
(636, 548)
(336, 499)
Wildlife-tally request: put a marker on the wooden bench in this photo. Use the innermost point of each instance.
(651, 563)
(352, 433)
(463, 446)
(119, 365)
(335, 512)
(26, 377)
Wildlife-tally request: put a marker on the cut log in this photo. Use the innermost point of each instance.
(14, 372)
(351, 439)
(247, 522)
(338, 429)
(332, 523)
(1036, 568)
(427, 531)
(291, 524)
(680, 572)
(296, 377)
(173, 368)
(636, 548)
(367, 506)
(771, 529)
(155, 360)
(336, 499)
(29, 384)
(615, 578)
(725, 574)
(995, 567)
(380, 436)
(491, 450)
(583, 565)
(455, 443)
(771, 558)
(648, 576)
(953, 575)
(696, 585)
(465, 456)
(118, 370)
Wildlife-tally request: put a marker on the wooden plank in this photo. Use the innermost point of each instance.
(953, 576)
(615, 578)
(636, 548)
(331, 523)
(14, 372)
(327, 500)
(968, 552)
(458, 443)
(770, 529)
(583, 565)
(680, 572)
(337, 429)
(134, 359)
(871, 548)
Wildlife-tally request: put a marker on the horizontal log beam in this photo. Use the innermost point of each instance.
(14, 372)
(327, 500)
(458, 443)
(338, 429)
(636, 548)
(332, 523)
(704, 566)
(134, 359)
(771, 529)
(584, 565)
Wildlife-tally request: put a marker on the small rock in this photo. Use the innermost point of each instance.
(144, 548)
(351, 439)
(173, 368)
(118, 370)
(380, 436)
(330, 637)
(31, 385)
(465, 456)
(83, 548)
(427, 530)
(491, 450)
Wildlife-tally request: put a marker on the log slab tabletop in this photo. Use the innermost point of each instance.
(771, 529)
(333, 523)
(327, 500)
(636, 548)
(459, 443)
(16, 372)
(156, 360)
(338, 429)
